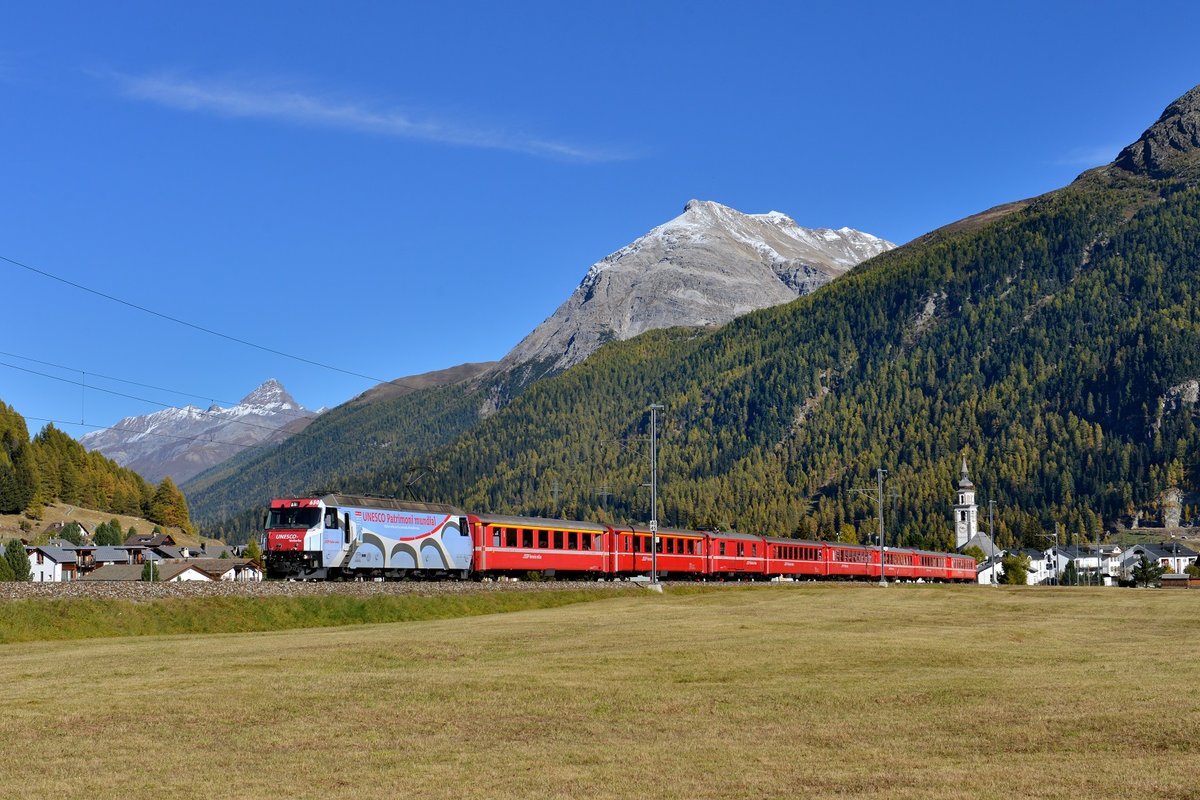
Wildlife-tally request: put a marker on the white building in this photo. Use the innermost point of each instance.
(990, 570)
(1172, 556)
(1041, 567)
(1092, 565)
(54, 564)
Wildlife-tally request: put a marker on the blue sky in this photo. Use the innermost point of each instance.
(397, 188)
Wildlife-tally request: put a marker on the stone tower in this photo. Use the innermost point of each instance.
(966, 513)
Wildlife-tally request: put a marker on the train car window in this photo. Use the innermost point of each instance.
(587, 541)
(558, 540)
(637, 544)
(722, 546)
(495, 537)
(658, 544)
(543, 538)
(572, 540)
(691, 547)
(741, 548)
(510, 537)
(331, 519)
(526, 537)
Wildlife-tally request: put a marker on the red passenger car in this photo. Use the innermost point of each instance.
(736, 555)
(553, 547)
(850, 561)
(681, 554)
(794, 558)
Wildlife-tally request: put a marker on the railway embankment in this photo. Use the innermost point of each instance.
(147, 591)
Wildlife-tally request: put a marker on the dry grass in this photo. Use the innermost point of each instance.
(807, 691)
(10, 525)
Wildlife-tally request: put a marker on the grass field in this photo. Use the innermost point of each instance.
(803, 691)
(58, 618)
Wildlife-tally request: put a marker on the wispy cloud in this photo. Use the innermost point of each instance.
(232, 99)
(1091, 156)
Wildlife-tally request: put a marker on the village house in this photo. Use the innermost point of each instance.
(150, 540)
(239, 570)
(52, 564)
(1172, 556)
(990, 570)
(1091, 564)
(168, 572)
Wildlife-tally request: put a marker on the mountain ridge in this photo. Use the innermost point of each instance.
(183, 442)
(706, 266)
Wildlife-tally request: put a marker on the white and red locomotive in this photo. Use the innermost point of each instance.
(340, 536)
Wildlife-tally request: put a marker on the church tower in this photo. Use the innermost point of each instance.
(966, 513)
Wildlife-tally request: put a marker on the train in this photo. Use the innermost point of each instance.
(348, 537)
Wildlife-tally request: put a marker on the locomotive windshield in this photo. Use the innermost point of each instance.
(304, 518)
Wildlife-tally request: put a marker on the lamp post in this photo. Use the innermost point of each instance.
(654, 409)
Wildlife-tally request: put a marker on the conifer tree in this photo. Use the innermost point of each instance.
(169, 506)
(253, 551)
(18, 560)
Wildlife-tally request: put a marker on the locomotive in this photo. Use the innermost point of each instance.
(349, 537)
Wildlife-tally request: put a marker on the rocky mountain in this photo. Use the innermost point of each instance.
(1170, 148)
(183, 442)
(705, 267)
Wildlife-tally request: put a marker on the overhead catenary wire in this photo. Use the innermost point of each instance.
(187, 324)
(129, 397)
(295, 413)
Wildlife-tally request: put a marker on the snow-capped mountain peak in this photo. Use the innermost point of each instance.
(270, 393)
(183, 442)
(704, 267)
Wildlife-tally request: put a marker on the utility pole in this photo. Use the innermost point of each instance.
(879, 474)
(878, 491)
(654, 409)
(604, 492)
(1054, 569)
(1056, 552)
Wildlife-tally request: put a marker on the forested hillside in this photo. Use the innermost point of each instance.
(1039, 345)
(53, 467)
(1049, 341)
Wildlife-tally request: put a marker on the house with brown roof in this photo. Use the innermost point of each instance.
(240, 570)
(168, 572)
(150, 540)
